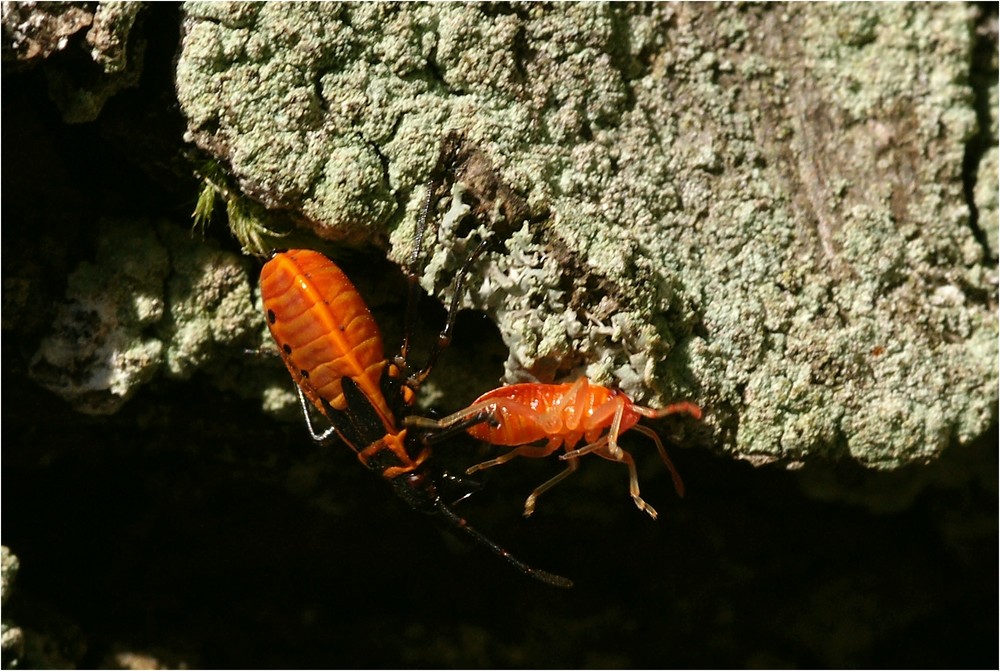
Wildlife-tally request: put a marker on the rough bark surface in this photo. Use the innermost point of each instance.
(759, 208)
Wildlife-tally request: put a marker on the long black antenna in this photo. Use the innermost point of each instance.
(444, 338)
(412, 278)
(537, 574)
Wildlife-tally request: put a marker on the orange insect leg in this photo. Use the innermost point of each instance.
(633, 488)
(613, 408)
(522, 451)
(529, 503)
(674, 475)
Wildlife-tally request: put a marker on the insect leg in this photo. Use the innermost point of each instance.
(529, 503)
(318, 437)
(469, 485)
(616, 426)
(523, 450)
(477, 413)
(263, 350)
(613, 408)
(678, 483)
(580, 451)
(412, 277)
(672, 409)
(444, 165)
(633, 488)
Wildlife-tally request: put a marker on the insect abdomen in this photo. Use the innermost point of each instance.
(322, 326)
(518, 428)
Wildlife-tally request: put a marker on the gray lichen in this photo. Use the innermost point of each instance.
(151, 298)
(109, 36)
(100, 349)
(760, 208)
(987, 170)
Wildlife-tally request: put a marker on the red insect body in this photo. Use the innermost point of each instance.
(562, 415)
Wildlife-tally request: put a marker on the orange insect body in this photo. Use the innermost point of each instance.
(322, 325)
(326, 334)
(562, 415)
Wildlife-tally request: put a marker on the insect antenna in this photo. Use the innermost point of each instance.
(412, 277)
(672, 409)
(459, 523)
(444, 338)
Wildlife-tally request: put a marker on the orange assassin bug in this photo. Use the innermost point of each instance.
(333, 350)
(562, 415)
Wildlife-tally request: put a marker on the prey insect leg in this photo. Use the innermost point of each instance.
(529, 503)
(633, 483)
(674, 475)
(522, 451)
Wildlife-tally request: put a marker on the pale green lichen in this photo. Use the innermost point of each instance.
(758, 208)
(152, 300)
(988, 170)
(100, 350)
(987, 178)
(211, 308)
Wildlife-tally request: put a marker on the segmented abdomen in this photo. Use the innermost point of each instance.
(547, 411)
(323, 328)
